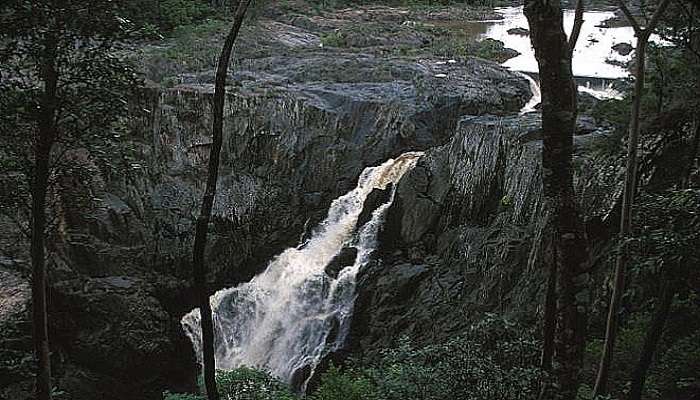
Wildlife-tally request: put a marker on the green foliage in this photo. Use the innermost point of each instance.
(250, 384)
(242, 384)
(153, 17)
(181, 12)
(189, 49)
(677, 369)
(494, 359)
(182, 396)
(349, 384)
(333, 39)
(82, 39)
(626, 353)
(664, 249)
(670, 238)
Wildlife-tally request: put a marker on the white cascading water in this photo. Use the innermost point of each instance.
(292, 314)
(536, 95)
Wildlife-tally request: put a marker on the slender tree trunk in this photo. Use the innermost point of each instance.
(40, 182)
(656, 330)
(550, 317)
(550, 320)
(201, 230)
(625, 224)
(601, 383)
(559, 108)
(695, 144)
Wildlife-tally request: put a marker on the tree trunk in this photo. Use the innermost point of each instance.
(656, 330)
(625, 221)
(201, 230)
(601, 383)
(550, 317)
(40, 182)
(695, 144)
(553, 53)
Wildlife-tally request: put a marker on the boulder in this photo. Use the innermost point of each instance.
(519, 31)
(345, 258)
(374, 200)
(623, 49)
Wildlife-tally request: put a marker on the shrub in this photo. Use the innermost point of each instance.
(347, 385)
(181, 12)
(251, 384)
(242, 384)
(495, 359)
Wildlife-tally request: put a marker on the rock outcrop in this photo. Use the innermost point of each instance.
(464, 232)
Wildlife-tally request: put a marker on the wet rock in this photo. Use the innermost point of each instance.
(313, 199)
(618, 63)
(623, 49)
(519, 31)
(345, 258)
(492, 49)
(374, 200)
(585, 125)
(418, 201)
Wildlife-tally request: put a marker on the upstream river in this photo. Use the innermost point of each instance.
(595, 63)
(593, 52)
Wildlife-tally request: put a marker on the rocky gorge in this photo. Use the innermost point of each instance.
(304, 116)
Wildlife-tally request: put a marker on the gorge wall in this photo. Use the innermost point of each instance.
(121, 264)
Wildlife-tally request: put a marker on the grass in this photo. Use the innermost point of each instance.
(188, 48)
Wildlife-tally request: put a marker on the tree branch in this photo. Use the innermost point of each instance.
(578, 22)
(657, 16)
(630, 17)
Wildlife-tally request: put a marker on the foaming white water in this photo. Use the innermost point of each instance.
(292, 314)
(604, 91)
(536, 95)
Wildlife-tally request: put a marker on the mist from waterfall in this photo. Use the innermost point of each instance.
(292, 314)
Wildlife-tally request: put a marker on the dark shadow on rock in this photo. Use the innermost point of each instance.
(374, 200)
(344, 259)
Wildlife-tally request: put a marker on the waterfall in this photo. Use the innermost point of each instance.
(292, 314)
(603, 90)
(536, 95)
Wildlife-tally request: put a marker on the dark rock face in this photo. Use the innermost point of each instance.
(118, 341)
(293, 142)
(374, 200)
(463, 232)
(345, 258)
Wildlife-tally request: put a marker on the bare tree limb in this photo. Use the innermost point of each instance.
(578, 23)
(202, 224)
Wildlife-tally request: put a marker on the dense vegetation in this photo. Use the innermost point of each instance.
(494, 359)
